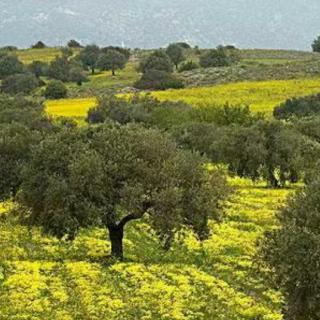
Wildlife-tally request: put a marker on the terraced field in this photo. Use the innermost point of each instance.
(43, 278)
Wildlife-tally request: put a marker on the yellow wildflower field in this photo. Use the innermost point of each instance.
(45, 278)
(260, 96)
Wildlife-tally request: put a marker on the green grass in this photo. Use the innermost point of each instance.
(43, 278)
(102, 82)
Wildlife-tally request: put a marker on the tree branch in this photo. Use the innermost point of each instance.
(129, 218)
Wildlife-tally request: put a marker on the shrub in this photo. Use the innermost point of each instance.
(316, 45)
(74, 44)
(77, 75)
(59, 69)
(140, 109)
(188, 66)
(292, 252)
(219, 57)
(184, 45)
(39, 68)
(39, 45)
(56, 90)
(23, 83)
(298, 107)
(158, 80)
(176, 54)
(158, 60)
(10, 65)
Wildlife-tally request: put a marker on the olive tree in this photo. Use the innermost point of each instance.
(22, 125)
(110, 175)
(111, 60)
(292, 252)
(316, 45)
(89, 56)
(23, 83)
(158, 60)
(10, 65)
(176, 54)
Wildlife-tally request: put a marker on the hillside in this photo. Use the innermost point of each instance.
(43, 277)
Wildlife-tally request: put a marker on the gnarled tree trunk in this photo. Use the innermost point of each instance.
(116, 238)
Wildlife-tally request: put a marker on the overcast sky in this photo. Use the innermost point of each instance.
(283, 24)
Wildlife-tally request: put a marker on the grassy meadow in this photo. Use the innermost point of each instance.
(44, 278)
(27, 56)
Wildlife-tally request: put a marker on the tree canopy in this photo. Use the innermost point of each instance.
(176, 54)
(292, 251)
(111, 175)
(89, 56)
(111, 60)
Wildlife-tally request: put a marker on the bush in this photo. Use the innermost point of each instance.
(56, 90)
(77, 75)
(316, 45)
(59, 69)
(188, 66)
(23, 83)
(298, 107)
(140, 109)
(158, 60)
(219, 57)
(74, 44)
(176, 54)
(10, 65)
(292, 252)
(39, 45)
(158, 80)
(39, 68)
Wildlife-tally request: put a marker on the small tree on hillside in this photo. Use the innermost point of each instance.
(219, 57)
(77, 75)
(56, 90)
(109, 175)
(158, 60)
(176, 54)
(111, 60)
(89, 56)
(59, 69)
(10, 65)
(39, 45)
(39, 68)
(23, 83)
(74, 44)
(22, 125)
(316, 45)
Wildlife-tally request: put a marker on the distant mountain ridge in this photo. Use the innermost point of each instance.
(287, 24)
